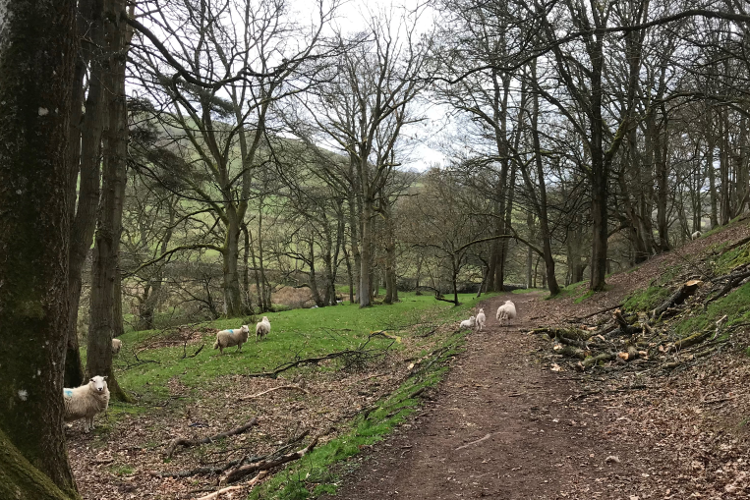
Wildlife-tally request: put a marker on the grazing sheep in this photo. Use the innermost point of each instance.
(695, 235)
(116, 345)
(86, 401)
(506, 311)
(468, 323)
(481, 318)
(230, 338)
(262, 328)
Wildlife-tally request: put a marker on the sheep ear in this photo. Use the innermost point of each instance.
(105, 377)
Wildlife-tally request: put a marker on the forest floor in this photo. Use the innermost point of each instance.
(508, 424)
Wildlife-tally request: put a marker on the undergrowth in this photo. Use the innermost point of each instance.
(645, 299)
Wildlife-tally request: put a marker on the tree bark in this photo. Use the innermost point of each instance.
(37, 49)
(105, 273)
(84, 151)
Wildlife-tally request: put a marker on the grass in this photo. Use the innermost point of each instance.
(521, 291)
(303, 333)
(736, 305)
(300, 332)
(731, 259)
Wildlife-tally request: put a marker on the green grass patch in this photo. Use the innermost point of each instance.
(575, 290)
(736, 305)
(731, 259)
(521, 291)
(646, 300)
(300, 332)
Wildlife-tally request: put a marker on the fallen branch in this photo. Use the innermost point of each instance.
(242, 471)
(194, 442)
(291, 387)
(252, 482)
(487, 436)
(600, 311)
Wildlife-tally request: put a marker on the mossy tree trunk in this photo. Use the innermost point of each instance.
(105, 271)
(37, 45)
(84, 151)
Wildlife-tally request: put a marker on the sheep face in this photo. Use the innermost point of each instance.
(98, 383)
(265, 319)
(245, 329)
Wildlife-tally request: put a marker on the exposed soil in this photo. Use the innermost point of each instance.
(504, 426)
(500, 427)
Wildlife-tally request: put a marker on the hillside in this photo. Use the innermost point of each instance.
(518, 420)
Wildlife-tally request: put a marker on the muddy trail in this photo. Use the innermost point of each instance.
(500, 426)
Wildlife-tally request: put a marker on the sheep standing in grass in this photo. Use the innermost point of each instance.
(695, 235)
(230, 338)
(506, 311)
(116, 346)
(468, 323)
(262, 328)
(481, 318)
(86, 401)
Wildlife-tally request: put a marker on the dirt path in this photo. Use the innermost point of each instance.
(498, 427)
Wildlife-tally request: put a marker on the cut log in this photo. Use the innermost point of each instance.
(568, 333)
(289, 387)
(677, 298)
(594, 360)
(625, 327)
(691, 340)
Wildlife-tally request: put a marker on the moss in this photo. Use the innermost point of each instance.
(731, 259)
(19, 480)
(736, 305)
(646, 300)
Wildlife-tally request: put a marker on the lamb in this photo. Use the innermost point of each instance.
(481, 318)
(116, 346)
(468, 323)
(695, 235)
(230, 338)
(86, 401)
(506, 311)
(262, 328)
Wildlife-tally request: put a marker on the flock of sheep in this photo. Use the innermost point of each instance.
(86, 401)
(506, 312)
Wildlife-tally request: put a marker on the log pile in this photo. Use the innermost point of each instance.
(646, 340)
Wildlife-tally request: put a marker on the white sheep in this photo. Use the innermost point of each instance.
(468, 323)
(262, 328)
(116, 346)
(231, 338)
(695, 235)
(86, 401)
(481, 318)
(506, 311)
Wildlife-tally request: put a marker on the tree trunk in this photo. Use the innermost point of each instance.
(231, 257)
(37, 50)
(105, 273)
(365, 274)
(84, 153)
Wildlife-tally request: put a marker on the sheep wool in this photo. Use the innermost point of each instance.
(481, 318)
(506, 311)
(116, 345)
(262, 328)
(86, 401)
(695, 235)
(468, 323)
(231, 338)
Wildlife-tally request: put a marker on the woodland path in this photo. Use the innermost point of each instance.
(538, 446)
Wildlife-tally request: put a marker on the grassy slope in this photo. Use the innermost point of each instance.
(302, 333)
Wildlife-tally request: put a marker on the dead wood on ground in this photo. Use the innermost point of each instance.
(195, 442)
